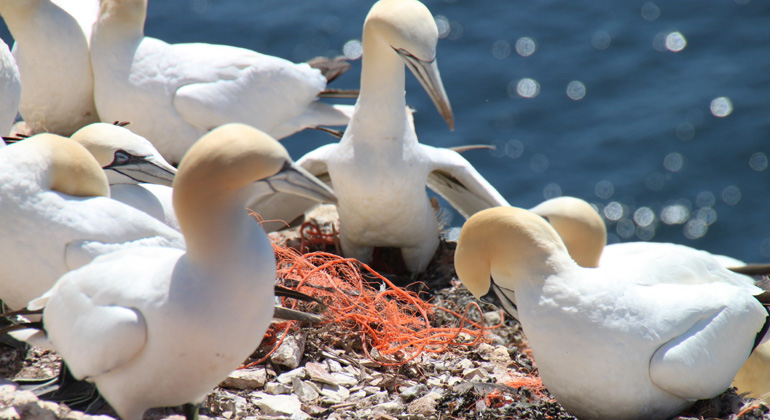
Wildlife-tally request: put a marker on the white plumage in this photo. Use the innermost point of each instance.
(379, 170)
(174, 93)
(160, 326)
(52, 53)
(10, 90)
(56, 215)
(638, 340)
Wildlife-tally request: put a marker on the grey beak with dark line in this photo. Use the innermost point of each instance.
(293, 179)
(143, 169)
(502, 298)
(430, 79)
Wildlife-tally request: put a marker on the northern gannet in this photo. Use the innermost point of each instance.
(52, 53)
(584, 233)
(138, 175)
(56, 215)
(645, 339)
(379, 170)
(157, 326)
(174, 93)
(10, 90)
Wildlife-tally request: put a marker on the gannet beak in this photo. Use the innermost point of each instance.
(430, 79)
(293, 179)
(502, 298)
(142, 168)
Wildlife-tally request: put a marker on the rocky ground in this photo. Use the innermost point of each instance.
(320, 372)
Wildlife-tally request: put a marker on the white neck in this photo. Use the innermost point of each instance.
(381, 105)
(120, 20)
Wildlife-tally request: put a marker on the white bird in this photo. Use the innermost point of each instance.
(174, 93)
(644, 339)
(52, 53)
(584, 233)
(379, 170)
(155, 327)
(56, 215)
(137, 173)
(10, 90)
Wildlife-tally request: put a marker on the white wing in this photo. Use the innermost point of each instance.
(718, 333)
(155, 200)
(221, 84)
(94, 315)
(457, 181)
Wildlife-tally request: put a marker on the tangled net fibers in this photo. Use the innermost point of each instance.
(391, 325)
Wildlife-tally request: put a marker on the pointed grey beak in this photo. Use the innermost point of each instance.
(430, 79)
(293, 179)
(146, 169)
(502, 298)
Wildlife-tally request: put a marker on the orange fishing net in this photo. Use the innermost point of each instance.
(499, 398)
(392, 325)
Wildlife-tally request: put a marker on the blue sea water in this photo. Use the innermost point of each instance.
(657, 112)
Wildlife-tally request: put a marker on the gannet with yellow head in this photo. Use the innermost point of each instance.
(56, 215)
(379, 170)
(158, 326)
(646, 338)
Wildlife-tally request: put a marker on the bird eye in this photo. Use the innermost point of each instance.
(121, 158)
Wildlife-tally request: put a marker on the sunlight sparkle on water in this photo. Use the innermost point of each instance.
(705, 199)
(758, 161)
(613, 211)
(673, 162)
(604, 189)
(650, 11)
(601, 40)
(675, 214)
(539, 163)
(721, 107)
(644, 216)
(352, 49)
(528, 88)
(525, 46)
(443, 26)
(576, 90)
(514, 148)
(695, 229)
(731, 195)
(552, 190)
(675, 42)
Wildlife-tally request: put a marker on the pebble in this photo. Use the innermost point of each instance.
(286, 378)
(333, 394)
(391, 407)
(318, 373)
(279, 405)
(306, 391)
(492, 318)
(334, 366)
(475, 374)
(289, 353)
(246, 379)
(464, 364)
(277, 388)
(344, 379)
(412, 392)
(425, 405)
